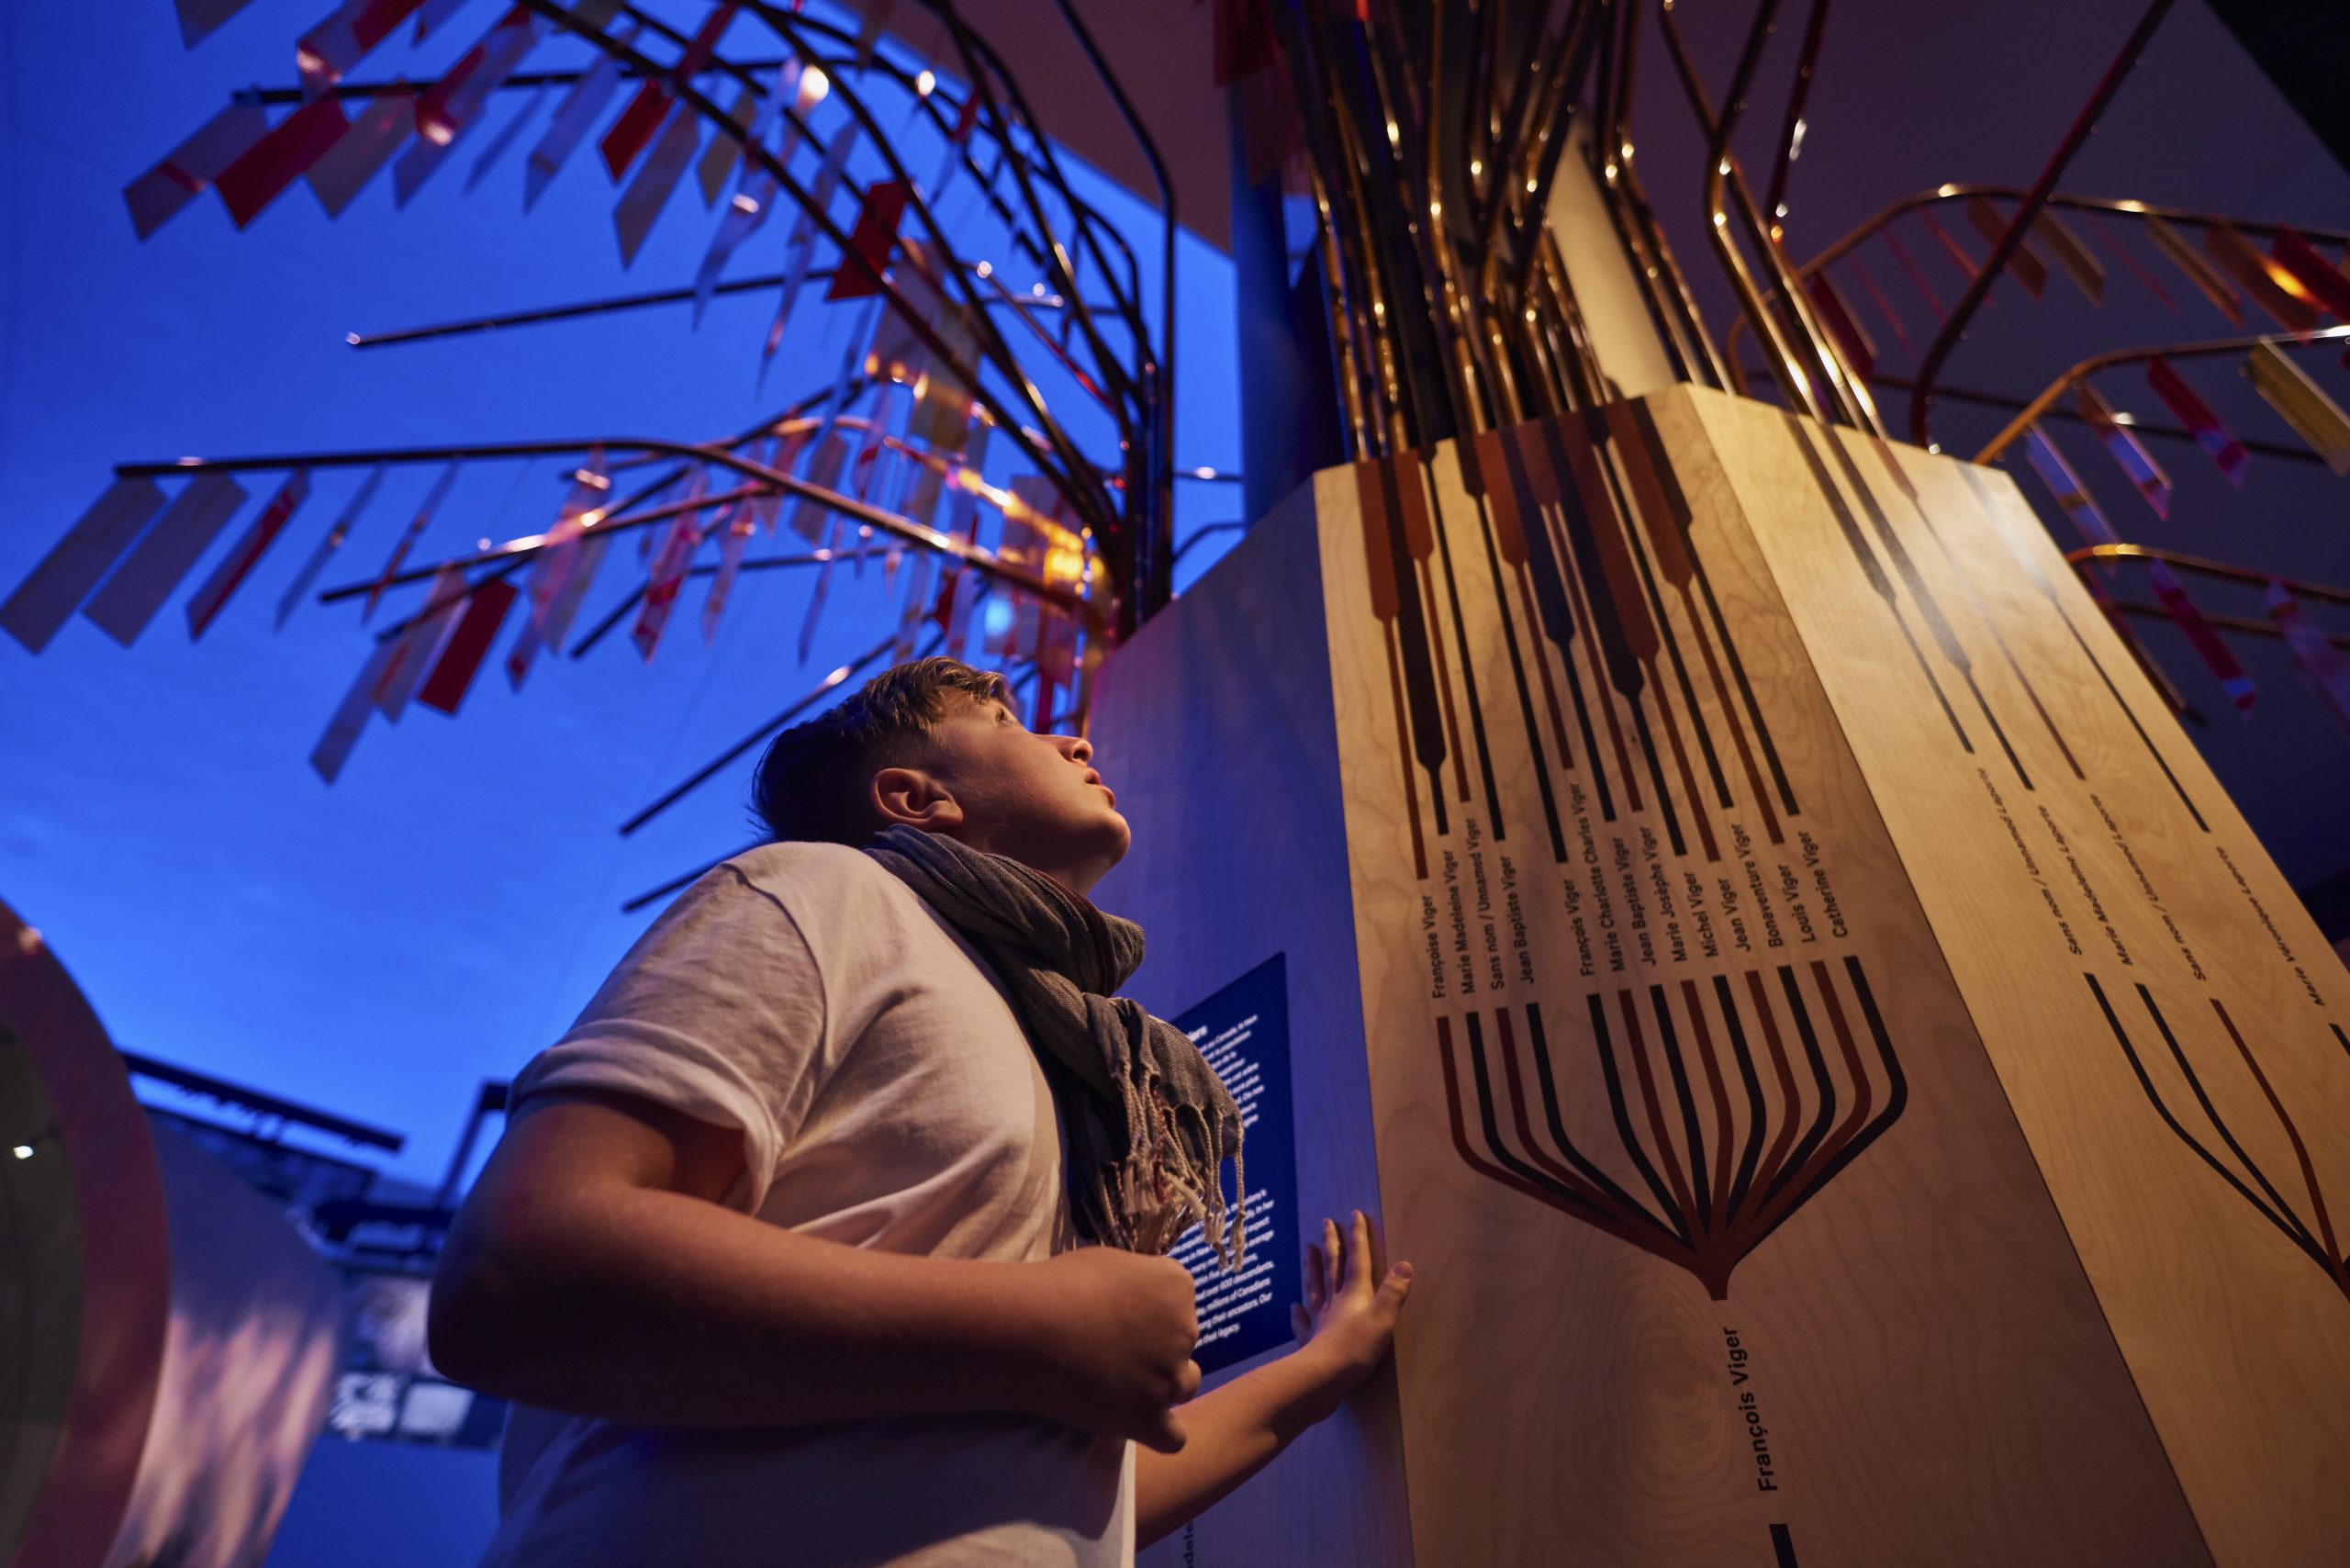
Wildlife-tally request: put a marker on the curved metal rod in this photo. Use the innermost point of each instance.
(1774, 200)
(2014, 428)
(1921, 402)
(1091, 226)
(2114, 207)
(1724, 179)
(1104, 516)
(1160, 585)
(755, 151)
(1118, 532)
(1669, 301)
(774, 479)
(2222, 570)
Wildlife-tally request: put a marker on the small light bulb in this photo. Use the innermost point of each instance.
(23, 1151)
(926, 83)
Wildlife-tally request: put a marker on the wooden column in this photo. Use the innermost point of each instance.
(1855, 1089)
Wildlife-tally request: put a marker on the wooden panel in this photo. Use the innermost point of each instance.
(2166, 1019)
(1754, 847)
(1732, 1251)
(1215, 728)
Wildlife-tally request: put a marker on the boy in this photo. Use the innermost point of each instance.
(777, 1258)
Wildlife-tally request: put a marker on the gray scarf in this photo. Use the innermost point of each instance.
(1149, 1124)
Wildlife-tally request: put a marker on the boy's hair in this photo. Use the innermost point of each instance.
(815, 782)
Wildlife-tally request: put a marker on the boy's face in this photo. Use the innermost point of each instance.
(999, 787)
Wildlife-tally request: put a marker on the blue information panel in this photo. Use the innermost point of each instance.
(1243, 1030)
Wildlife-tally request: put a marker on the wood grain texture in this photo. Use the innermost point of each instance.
(1213, 726)
(1850, 1082)
(2162, 1013)
(1931, 1381)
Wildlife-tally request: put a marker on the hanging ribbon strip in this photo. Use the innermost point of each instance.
(2195, 269)
(2320, 282)
(2250, 270)
(578, 112)
(823, 579)
(452, 106)
(189, 169)
(629, 134)
(420, 647)
(2302, 403)
(811, 519)
(650, 191)
(2122, 443)
(468, 645)
(752, 113)
(1884, 307)
(434, 13)
(280, 158)
(456, 101)
(875, 236)
(1967, 265)
(2073, 497)
(238, 565)
(2202, 635)
(507, 136)
(163, 556)
(348, 34)
(564, 561)
(2320, 662)
(345, 169)
(2025, 265)
(753, 198)
(2137, 268)
(2196, 416)
(561, 612)
(670, 564)
(756, 190)
(329, 545)
(351, 715)
(650, 107)
(2065, 487)
(53, 590)
(2074, 259)
(735, 527)
(1851, 341)
(803, 244)
(1916, 274)
(198, 18)
(407, 539)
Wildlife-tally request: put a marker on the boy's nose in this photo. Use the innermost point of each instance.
(1076, 748)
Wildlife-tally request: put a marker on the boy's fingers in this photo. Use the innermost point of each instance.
(1301, 1325)
(1334, 1258)
(1359, 1253)
(1314, 1292)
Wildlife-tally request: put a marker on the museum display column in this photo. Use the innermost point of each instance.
(1853, 1088)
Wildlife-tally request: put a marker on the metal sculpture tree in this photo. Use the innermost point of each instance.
(937, 449)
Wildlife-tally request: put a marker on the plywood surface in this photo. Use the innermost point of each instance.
(1215, 728)
(2164, 1018)
(1732, 1250)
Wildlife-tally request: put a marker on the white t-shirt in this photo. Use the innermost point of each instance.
(887, 1098)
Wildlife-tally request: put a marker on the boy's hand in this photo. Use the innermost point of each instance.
(1345, 1319)
(1120, 1329)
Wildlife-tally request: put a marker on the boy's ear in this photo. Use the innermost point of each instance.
(911, 796)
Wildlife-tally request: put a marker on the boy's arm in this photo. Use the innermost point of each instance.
(1346, 1325)
(594, 1271)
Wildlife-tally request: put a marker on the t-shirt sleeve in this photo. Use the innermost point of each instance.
(717, 1011)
